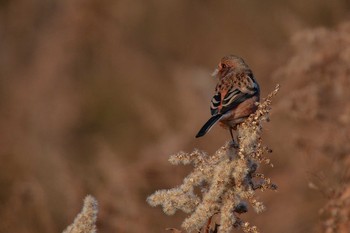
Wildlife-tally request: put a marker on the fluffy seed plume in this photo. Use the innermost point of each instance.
(227, 180)
(85, 222)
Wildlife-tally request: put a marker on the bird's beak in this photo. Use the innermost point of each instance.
(215, 72)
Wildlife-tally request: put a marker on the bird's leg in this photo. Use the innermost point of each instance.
(231, 134)
(234, 143)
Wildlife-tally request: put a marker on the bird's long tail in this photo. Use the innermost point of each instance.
(207, 126)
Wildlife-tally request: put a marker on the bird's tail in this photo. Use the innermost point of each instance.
(207, 126)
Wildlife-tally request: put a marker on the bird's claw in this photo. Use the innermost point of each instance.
(234, 144)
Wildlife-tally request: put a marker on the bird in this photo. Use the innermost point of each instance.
(235, 97)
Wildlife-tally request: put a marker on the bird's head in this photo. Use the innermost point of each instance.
(228, 64)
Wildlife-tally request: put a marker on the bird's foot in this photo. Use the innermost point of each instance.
(234, 144)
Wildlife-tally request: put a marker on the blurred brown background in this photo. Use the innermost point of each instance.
(96, 94)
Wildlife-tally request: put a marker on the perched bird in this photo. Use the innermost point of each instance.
(236, 94)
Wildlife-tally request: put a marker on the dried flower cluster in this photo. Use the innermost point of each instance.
(85, 222)
(226, 181)
(337, 212)
(319, 99)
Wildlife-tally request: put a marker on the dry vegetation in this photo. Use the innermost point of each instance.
(70, 125)
(85, 222)
(321, 100)
(228, 180)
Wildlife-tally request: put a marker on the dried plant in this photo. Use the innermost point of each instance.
(321, 61)
(85, 222)
(226, 180)
(337, 212)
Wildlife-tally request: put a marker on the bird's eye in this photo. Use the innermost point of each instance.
(223, 65)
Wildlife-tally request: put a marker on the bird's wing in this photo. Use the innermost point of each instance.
(243, 89)
(215, 104)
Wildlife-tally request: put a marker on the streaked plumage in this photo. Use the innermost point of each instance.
(235, 94)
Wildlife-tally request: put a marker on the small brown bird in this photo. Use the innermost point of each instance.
(235, 95)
